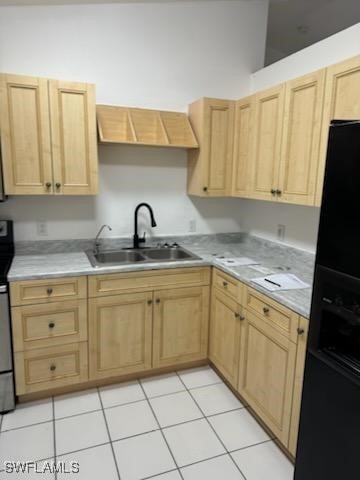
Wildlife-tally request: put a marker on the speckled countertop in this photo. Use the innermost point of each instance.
(41, 260)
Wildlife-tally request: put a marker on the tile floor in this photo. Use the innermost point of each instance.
(186, 425)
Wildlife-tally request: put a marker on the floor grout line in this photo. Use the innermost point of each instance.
(213, 429)
(108, 431)
(162, 433)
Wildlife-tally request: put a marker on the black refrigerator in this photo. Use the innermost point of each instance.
(329, 433)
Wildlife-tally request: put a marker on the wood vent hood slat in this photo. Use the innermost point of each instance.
(139, 126)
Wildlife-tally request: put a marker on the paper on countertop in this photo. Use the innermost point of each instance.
(287, 281)
(235, 261)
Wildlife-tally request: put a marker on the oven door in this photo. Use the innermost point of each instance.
(5, 336)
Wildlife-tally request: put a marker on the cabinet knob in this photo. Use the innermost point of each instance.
(52, 368)
(57, 185)
(48, 185)
(242, 318)
(278, 192)
(149, 302)
(225, 284)
(273, 191)
(51, 325)
(157, 300)
(300, 331)
(49, 291)
(205, 189)
(237, 315)
(266, 310)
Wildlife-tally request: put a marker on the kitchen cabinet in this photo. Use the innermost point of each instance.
(266, 374)
(298, 384)
(181, 318)
(210, 166)
(225, 330)
(341, 102)
(243, 131)
(299, 158)
(120, 334)
(48, 136)
(266, 143)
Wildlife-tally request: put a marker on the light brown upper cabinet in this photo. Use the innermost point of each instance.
(342, 102)
(299, 157)
(266, 143)
(244, 119)
(210, 166)
(48, 136)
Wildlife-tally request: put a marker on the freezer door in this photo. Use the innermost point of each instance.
(5, 337)
(7, 395)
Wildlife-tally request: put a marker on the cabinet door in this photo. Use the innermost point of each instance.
(25, 135)
(181, 318)
(120, 330)
(342, 102)
(298, 384)
(224, 338)
(301, 138)
(269, 106)
(74, 140)
(266, 375)
(244, 117)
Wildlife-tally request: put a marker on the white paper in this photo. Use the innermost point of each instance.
(282, 281)
(236, 261)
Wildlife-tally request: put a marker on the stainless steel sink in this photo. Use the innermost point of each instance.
(141, 255)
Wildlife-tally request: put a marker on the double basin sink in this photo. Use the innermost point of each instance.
(140, 255)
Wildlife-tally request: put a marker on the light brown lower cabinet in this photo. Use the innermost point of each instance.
(266, 374)
(120, 334)
(298, 384)
(224, 339)
(181, 318)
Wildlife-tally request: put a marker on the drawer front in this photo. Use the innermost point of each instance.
(227, 284)
(45, 325)
(48, 368)
(44, 291)
(102, 285)
(277, 316)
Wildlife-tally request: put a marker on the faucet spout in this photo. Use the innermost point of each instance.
(136, 238)
(96, 241)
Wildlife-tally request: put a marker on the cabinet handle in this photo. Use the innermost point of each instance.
(242, 318)
(57, 185)
(48, 185)
(266, 310)
(237, 315)
(157, 300)
(51, 325)
(225, 284)
(205, 189)
(273, 191)
(300, 331)
(52, 368)
(149, 302)
(49, 291)
(278, 192)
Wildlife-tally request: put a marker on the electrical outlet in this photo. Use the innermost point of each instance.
(42, 229)
(281, 232)
(192, 225)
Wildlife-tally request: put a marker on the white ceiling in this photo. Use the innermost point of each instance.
(296, 24)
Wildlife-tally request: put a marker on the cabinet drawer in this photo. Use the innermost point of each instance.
(101, 285)
(44, 291)
(227, 284)
(277, 316)
(47, 368)
(45, 325)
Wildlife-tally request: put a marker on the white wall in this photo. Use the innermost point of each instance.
(301, 222)
(156, 55)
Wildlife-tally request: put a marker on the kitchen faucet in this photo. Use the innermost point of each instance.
(138, 240)
(96, 241)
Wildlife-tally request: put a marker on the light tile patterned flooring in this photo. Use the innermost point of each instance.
(186, 425)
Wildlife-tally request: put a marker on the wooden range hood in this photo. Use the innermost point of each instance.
(139, 126)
